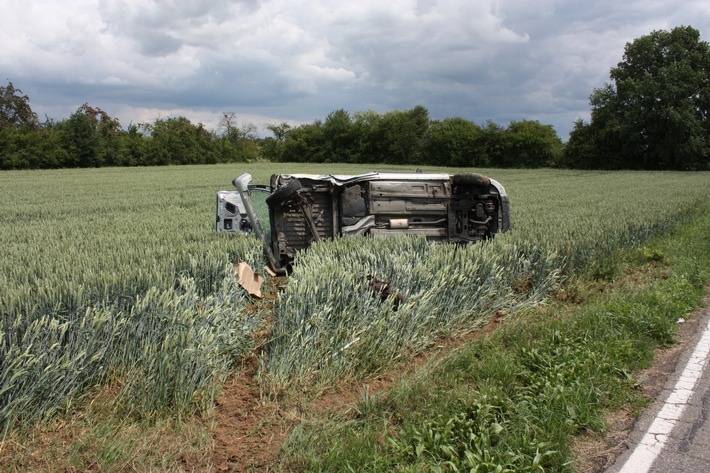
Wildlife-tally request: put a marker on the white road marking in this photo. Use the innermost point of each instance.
(659, 431)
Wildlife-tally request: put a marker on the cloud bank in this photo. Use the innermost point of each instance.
(272, 61)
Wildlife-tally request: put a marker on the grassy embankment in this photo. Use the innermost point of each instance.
(515, 399)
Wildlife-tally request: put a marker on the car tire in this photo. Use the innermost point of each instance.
(282, 194)
(470, 179)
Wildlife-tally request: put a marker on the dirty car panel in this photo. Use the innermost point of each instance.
(458, 208)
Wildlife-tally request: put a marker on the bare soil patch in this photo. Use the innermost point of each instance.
(250, 426)
(249, 429)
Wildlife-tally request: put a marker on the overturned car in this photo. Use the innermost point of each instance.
(459, 208)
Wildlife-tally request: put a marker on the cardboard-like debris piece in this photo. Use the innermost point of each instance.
(248, 279)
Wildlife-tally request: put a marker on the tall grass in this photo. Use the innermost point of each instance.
(328, 325)
(115, 277)
(516, 398)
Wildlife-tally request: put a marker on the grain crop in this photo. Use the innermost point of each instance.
(115, 279)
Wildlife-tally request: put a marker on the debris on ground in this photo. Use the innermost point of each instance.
(385, 291)
(248, 279)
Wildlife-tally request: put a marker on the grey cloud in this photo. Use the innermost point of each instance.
(161, 27)
(298, 60)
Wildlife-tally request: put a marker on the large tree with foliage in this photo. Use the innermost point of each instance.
(178, 141)
(455, 142)
(530, 144)
(340, 143)
(15, 110)
(656, 113)
(403, 133)
(90, 137)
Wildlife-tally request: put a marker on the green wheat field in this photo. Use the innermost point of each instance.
(116, 277)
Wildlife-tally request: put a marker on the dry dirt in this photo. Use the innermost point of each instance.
(250, 428)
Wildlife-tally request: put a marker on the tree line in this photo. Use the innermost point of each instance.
(411, 137)
(655, 114)
(91, 138)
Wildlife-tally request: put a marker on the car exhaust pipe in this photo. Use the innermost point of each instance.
(242, 185)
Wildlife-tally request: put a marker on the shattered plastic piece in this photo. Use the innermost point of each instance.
(248, 279)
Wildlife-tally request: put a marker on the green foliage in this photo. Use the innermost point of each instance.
(368, 127)
(456, 142)
(178, 141)
(236, 144)
(304, 144)
(585, 150)
(340, 139)
(514, 400)
(91, 138)
(15, 110)
(402, 135)
(79, 137)
(530, 144)
(664, 98)
(39, 149)
(656, 113)
(410, 137)
(472, 439)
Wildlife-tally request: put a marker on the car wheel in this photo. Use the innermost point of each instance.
(470, 179)
(282, 194)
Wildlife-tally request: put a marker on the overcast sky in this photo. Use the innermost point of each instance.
(272, 61)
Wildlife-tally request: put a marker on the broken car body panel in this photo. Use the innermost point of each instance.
(304, 208)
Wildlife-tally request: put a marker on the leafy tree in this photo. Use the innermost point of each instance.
(339, 138)
(15, 110)
(31, 149)
(369, 133)
(403, 135)
(304, 144)
(80, 139)
(493, 143)
(530, 144)
(596, 145)
(133, 145)
(273, 148)
(580, 151)
(455, 142)
(656, 114)
(178, 141)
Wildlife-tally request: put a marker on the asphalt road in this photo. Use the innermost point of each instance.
(673, 435)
